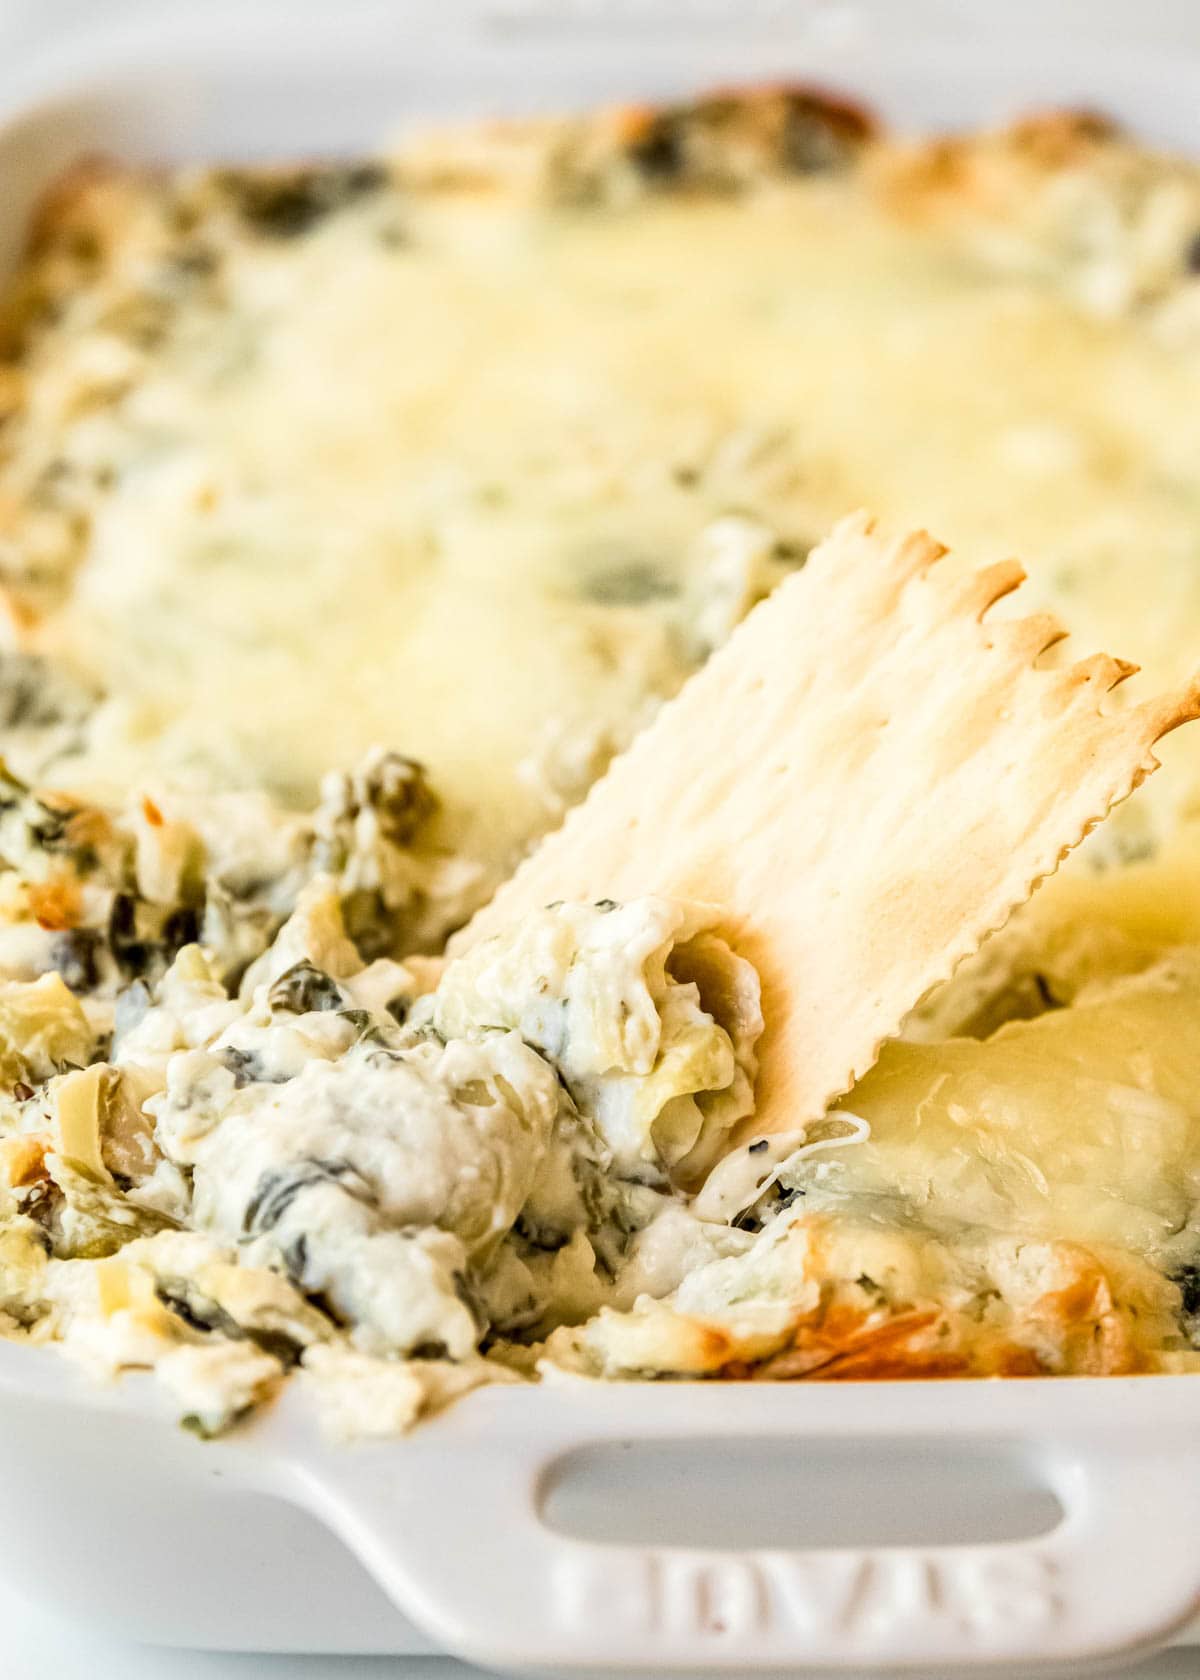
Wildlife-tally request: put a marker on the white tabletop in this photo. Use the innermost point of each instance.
(36, 1644)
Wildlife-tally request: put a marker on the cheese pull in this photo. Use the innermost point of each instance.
(866, 780)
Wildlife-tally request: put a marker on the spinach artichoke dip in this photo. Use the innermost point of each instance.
(352, 518)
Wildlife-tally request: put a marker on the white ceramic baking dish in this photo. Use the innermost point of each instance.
(922, 1526)
(595, 1527)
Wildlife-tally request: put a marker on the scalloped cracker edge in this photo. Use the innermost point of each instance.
(866, 780)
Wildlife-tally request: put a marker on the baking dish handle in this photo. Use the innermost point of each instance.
(454, 1534)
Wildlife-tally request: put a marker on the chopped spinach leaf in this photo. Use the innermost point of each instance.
(1188, 1279)
(820, 135)
(629, 585)
(76, 955)
(278, 1188)
(659, 153)
(285, 204)
(304, 989)
(244, 1065)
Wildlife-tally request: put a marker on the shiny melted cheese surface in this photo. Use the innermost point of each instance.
(375, 496)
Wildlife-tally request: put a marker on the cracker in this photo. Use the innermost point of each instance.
(867, 779)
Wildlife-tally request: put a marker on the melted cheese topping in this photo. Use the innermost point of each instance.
(373, 496)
